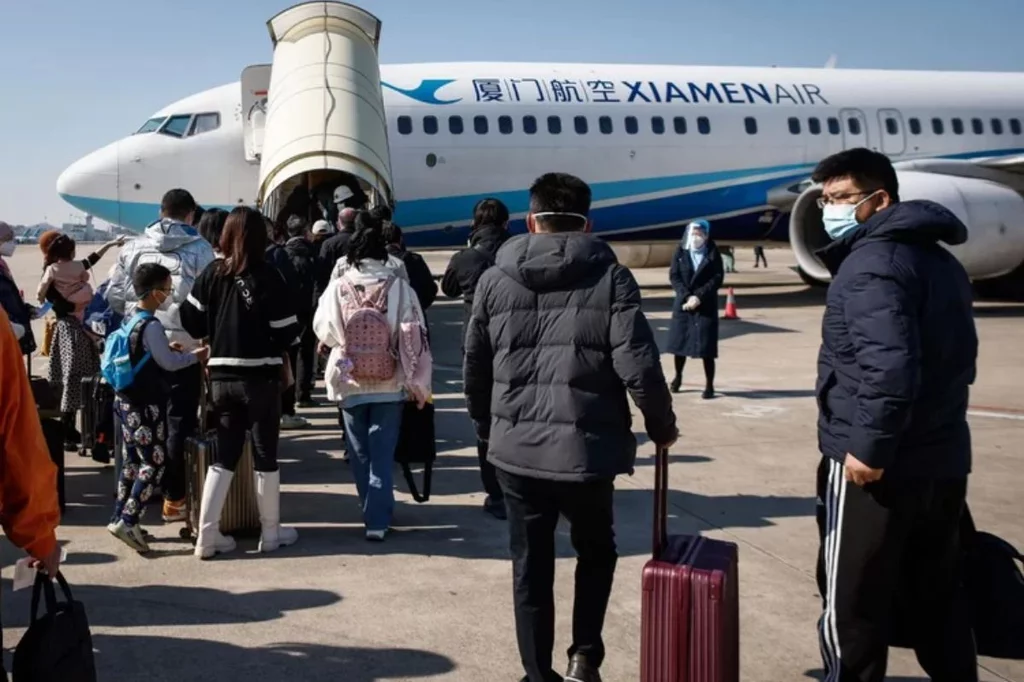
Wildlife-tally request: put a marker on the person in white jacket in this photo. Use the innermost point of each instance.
(173, 243)
(373, 395)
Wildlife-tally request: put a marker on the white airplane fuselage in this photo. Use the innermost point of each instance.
(659, 145)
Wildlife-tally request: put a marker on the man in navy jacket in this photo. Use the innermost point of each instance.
(896, 362)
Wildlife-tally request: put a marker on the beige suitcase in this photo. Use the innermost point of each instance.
(241, 514)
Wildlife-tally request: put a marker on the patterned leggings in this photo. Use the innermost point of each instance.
(144, 430)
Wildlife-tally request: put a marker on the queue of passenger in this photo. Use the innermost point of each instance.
(548, 402)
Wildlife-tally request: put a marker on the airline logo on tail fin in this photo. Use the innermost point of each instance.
(426, 91)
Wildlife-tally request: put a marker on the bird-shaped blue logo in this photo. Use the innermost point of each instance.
(426, 91)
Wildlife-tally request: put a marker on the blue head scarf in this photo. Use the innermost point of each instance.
(697, 255)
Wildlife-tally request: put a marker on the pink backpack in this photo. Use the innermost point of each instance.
(369, 343)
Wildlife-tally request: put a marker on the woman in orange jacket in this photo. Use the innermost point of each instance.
(28, 478)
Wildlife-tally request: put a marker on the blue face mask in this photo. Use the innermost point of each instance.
(841, 219)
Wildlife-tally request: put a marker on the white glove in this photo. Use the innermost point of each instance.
(691, 303)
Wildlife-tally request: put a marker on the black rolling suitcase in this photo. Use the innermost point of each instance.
(97, 419)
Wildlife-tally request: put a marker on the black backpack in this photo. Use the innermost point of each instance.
(57, 647)
(995, 587)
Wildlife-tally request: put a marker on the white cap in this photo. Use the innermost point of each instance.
(322, 227)
(342, 193)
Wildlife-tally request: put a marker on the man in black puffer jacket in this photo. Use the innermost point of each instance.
(305, 262)
(556, 341)
(490, 231)
(897, 359)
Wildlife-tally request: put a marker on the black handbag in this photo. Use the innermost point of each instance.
(994, 587)
(416, 445)
(57, 647)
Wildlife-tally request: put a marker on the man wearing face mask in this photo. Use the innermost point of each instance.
(556, 340)
(896, 362)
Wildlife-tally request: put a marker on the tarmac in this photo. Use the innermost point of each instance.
(435, 600)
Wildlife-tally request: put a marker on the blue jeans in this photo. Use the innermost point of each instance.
(371, 434)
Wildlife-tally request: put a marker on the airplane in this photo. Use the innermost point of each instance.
(659, 145)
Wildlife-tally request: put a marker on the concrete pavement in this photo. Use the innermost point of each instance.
(434, 601)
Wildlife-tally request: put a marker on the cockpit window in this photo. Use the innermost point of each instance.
(176, 126)
(204, 123)
(151, 125)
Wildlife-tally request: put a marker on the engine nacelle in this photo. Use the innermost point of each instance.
(992, 212)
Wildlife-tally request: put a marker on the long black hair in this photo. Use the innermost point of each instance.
(243, 241)
(368, 240)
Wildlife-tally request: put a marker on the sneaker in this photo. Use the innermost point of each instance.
(376, 535)
(129, 535)
(708, 393)
(581, 671)
(495, 508)
(175, 511)
(307, 404)
(291, 422)
(676, 385)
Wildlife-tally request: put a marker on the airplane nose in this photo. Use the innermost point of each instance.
(90, 184)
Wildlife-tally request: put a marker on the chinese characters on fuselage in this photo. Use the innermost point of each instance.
(534, 90)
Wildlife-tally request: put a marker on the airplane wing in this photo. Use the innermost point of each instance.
(1012, 164)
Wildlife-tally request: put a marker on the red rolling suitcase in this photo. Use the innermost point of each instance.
(690, 629)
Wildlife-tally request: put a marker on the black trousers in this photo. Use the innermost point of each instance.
(895, 538)
(250, 405)
(488, 474)
(182, 423)
(303, 359)
(534, 506)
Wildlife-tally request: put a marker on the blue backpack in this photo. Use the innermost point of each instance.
(120, 365)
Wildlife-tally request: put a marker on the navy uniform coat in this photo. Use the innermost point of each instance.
(694, 334)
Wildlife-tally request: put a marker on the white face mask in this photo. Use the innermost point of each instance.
(166, 303)
(697, 242)
(7, 248)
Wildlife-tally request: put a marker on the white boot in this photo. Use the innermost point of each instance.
(215, 492)
(268, 496)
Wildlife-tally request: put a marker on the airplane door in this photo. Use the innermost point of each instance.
(855, 128)
(890, 123)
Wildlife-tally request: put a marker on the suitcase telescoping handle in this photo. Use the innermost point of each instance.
(660, 539)
(205, 398)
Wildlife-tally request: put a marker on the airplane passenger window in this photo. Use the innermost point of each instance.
(658, 125)
(750, 123)
(814, 126)
(555, 125)
(833, 126)
(404, 125)
(632, 127)
(605, 123)
(480, 125)
(204, 123)
(703, 125)
(151, 125)
(937, 127)
(1015, 126)
(505, 125)
(997, 126)
(679, 123)
(530, 125)
(977, 126)
(455, 126)
(915, 126)
(958, 126)
(892, 127)
(430, 125)
(176, 126)
(794, 125)
(581, 125)
(854, 125)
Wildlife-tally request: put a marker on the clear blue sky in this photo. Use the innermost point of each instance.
(76, 75)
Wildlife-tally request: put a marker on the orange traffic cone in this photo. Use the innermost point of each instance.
(730, 306)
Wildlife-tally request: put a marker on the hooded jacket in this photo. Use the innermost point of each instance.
(468, 265)
(899, 345)
(303, 256)
(180, 249)
(556, 339)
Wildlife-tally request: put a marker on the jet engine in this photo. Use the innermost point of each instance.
(994, 214)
